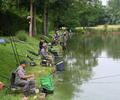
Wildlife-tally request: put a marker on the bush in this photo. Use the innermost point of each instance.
(118, 29)
(82, 31)
(52, 32)
(22, 35)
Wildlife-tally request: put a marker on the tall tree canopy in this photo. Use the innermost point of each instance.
(54, 14)
(114, 11)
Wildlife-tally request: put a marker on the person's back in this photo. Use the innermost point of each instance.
(20, 72)
(46, 55)
(43, 52)
(56, 36)
(41, 44)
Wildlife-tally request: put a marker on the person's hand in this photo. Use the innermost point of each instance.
(32, 75)
(29, 76)
(25, 98)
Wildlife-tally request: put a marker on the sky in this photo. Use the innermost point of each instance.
(104, 2)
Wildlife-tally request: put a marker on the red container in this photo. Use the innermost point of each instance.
(2, 85)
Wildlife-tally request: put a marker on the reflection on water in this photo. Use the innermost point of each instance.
(104, 85)
(92, 69)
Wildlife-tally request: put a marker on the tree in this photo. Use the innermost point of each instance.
(64, 13)
(30, 4)
(31, 19)
(91, 12)
(44, 7)
(114, 11)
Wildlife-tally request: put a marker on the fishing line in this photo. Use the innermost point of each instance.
(109, 76)
(104, 83)
(97, 78)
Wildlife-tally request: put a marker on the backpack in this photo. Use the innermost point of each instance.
(12, 78)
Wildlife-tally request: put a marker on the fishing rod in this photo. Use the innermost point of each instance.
(3, 76)
(12, 43)
(16, 48)
(14, 51)
(26, 43)
(27, 56)
(33, 53)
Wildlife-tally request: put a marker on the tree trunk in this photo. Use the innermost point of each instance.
(34, 22)
(31, 19)
(45, 21)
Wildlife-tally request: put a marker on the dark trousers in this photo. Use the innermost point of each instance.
(28, 86)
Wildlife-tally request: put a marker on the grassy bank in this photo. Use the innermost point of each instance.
(8, 64)
(100, 29)
(114, 27)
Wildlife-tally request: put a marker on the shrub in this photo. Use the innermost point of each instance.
(52, 32)
(80, 30)
(118, 29)
(22, 35)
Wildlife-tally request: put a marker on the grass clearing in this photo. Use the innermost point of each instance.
(8, 64)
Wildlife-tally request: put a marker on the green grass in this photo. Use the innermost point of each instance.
(8, 64)
(101, 29)
(108, 26)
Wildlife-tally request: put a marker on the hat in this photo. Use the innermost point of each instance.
(49, 44)
(23, 62)
(44, 44)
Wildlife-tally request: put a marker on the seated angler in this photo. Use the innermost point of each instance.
(46, 55)
(25, 81)
(41, 44)
(56, 38)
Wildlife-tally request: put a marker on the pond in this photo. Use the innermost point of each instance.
(92, 69)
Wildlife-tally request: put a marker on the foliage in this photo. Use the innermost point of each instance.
(10, 23)
(61, 13)
(91, 12)
(8, 64)
(113, 10)
(79, 30)
(22, 35)
(47, 39)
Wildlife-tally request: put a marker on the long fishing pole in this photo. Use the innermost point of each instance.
(14, 45)
(11, 41)
(3, 76)
(14, 51)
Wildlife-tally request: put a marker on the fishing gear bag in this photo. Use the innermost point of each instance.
(12, 79)
(47, 84)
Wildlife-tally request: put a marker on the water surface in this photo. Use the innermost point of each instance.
(92, 69)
